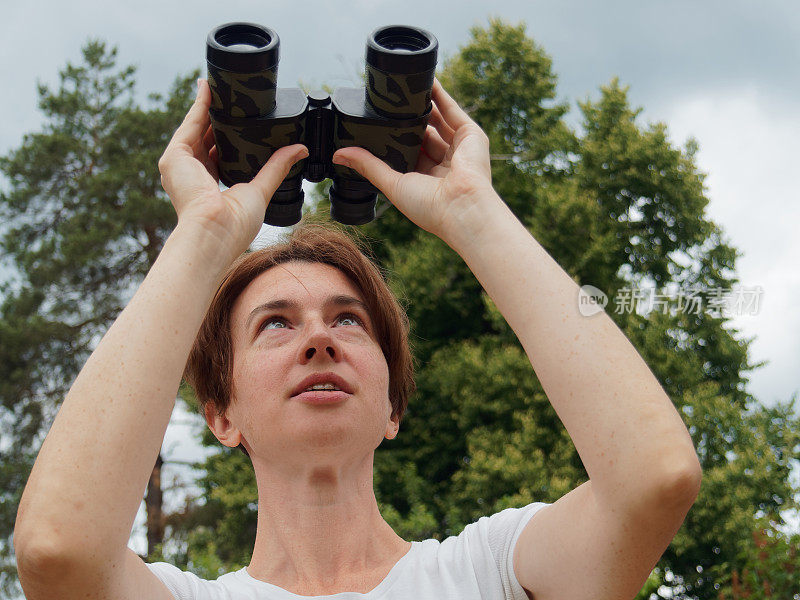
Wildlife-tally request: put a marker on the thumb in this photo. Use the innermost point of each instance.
(379, 174)
(277, 168)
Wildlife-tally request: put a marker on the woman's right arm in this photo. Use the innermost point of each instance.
(76, 513)
(78, 508)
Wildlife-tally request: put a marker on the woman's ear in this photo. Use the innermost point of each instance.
(392, 427)
(221, 427)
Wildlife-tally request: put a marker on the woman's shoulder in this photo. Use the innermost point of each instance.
(505, 525)
(185, 585)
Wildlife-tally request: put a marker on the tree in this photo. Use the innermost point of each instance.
(85, 219)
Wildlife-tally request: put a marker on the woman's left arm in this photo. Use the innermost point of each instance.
(602, 539)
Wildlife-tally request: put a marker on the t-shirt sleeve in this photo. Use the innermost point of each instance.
(496, 535)
(183, 584)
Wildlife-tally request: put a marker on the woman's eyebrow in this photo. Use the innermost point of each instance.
(283, 304)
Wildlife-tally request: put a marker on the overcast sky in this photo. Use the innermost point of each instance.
(725, 73)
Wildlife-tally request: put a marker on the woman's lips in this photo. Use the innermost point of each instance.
(322, 396)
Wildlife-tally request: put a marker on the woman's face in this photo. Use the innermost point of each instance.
(275, 349)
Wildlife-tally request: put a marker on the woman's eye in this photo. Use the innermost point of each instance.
(350, 316)
(271, 320)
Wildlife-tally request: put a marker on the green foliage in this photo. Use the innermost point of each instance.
(746, 456)
(616, 204)
(650, 587)
(504, 80)
(642, 185)
(768, 568)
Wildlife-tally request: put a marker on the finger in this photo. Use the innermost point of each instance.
(277, 168)
(442, 128)
(197, 120)
(208, 139)
(379, 174)
(212, 164)
(425, 164)
(203, 147)
(434, 145)
(186, 177)
(453, 114)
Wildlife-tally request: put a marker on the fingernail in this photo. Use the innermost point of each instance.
(197, 94)
(339, 160)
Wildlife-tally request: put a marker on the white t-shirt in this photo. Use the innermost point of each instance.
(475, 564)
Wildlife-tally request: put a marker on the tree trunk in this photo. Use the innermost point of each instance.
(153, 505)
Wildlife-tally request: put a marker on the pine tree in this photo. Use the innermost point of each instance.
(85, 218)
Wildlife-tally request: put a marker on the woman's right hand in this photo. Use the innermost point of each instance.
(189, 175)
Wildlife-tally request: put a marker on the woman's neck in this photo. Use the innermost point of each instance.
(321, 530)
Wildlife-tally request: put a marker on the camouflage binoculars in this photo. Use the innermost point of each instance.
(251, 117)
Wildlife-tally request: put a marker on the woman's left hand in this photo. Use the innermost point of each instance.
(453, 173)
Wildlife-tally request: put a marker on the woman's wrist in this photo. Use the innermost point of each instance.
(466, 226)
(212, 247)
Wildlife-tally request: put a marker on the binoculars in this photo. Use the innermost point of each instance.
(251, 117)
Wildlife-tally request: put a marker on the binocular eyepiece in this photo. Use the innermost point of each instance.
(252, 117)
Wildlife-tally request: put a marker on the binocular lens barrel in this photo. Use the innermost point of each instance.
(400, 67)
(242, 63)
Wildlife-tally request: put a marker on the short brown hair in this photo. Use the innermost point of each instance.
(209, 369)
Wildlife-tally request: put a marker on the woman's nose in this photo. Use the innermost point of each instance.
(319, 340)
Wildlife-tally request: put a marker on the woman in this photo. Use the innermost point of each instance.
(283, 321)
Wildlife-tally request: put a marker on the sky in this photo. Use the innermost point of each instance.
(724, 73)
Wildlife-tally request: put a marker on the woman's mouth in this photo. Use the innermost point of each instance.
(322, 396)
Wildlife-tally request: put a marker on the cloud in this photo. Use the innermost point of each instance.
(670, 49)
